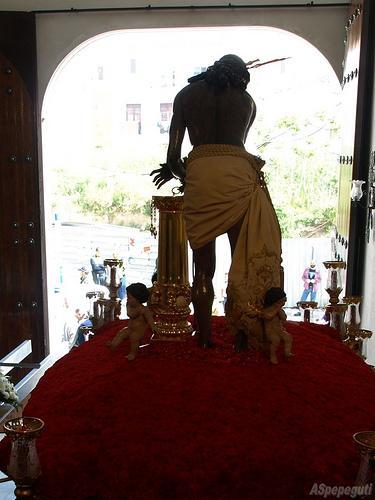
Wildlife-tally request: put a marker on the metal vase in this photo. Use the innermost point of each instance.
(24, 467)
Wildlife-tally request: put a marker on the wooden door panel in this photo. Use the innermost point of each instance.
(348, 123)
(357, 87)
(21, 293)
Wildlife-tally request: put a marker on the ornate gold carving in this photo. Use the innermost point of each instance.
(205, 150)
(354, 299)
(334, 264)
(168, 203)
(170, 307)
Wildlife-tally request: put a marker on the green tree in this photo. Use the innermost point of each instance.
(301, 172)
(105, 201)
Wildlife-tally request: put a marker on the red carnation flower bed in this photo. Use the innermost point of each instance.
(185, 423)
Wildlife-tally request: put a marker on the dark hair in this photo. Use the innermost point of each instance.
(229, 71)
(273, 295)
(139, 291)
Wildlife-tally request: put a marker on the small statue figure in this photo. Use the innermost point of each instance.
(274, 317)
(140, 318)
(311, 279)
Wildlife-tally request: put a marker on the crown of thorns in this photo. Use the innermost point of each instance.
(231, 70)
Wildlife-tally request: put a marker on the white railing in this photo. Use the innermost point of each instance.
(14, 359)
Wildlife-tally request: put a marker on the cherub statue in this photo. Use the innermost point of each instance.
(274, 318)
(140, 318)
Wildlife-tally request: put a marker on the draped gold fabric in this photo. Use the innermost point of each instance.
(223, 185)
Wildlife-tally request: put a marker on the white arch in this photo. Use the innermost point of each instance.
(182, 47)
(251, 37)
(59, 34)
(247, 53)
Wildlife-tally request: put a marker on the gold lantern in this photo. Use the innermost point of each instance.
(334, 287)
(355, 335)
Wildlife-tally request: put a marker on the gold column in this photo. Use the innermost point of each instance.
(171, 294)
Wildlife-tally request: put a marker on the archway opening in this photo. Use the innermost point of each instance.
(105, 123)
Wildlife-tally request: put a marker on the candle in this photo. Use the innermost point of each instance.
(353, 314)
(334, 280)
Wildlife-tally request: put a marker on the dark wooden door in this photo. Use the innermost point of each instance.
(21, 293)
(351, 217)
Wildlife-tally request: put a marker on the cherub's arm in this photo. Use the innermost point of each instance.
(282, 315)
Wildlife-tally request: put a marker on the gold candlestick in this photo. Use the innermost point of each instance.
(352, 317)
(334, 309)
(171, 294)
(113, 285)
(306, 307)
(354, 335)
(334, 280)
(355, 339)
(106, 310)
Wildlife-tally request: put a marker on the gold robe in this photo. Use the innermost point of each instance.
(224, 184)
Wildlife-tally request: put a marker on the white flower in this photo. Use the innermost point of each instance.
(7, 390)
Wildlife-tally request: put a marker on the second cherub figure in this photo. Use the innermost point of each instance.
(274, 318)
(140, 319)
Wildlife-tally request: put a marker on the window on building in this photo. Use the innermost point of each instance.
(165, 111)
(133, 112)
(133, 115)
